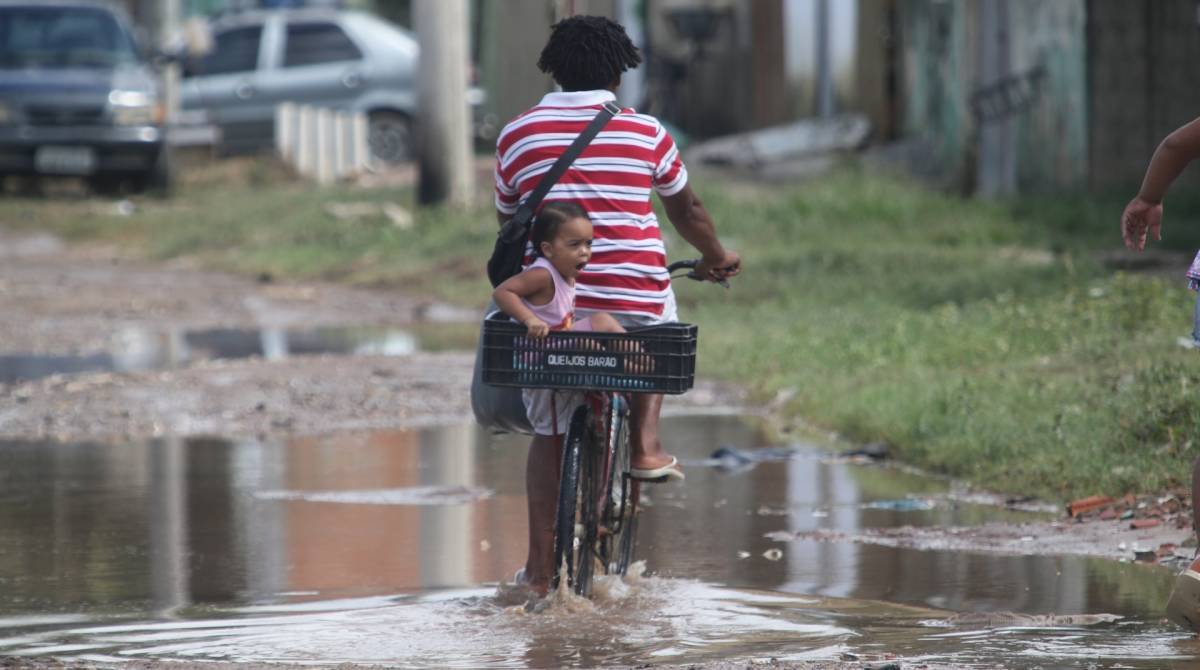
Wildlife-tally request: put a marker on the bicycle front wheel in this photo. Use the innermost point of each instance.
(623, 492)
(576, 518)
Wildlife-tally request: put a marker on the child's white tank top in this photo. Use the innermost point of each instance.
(559, 313)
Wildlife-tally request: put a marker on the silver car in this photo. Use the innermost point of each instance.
(344, 60)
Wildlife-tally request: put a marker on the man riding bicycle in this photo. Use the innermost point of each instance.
(612, 180)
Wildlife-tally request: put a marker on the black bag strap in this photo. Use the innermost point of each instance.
(517, 227)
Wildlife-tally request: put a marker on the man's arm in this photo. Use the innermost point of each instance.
(1143, 214)
(695, 225)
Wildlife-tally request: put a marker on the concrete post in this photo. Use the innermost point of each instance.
(443, 119)
(285, 131)
(306, 128)
(358, 143)
(341, 152)
(324, 155)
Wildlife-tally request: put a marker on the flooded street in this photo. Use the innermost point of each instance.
(387, 548)
(141, 349)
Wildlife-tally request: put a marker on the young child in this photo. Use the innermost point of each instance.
(1143, 217)
(542, 298)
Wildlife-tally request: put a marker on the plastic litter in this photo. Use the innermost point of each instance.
(902, 505)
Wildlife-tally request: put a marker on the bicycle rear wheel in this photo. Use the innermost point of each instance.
(576, 519)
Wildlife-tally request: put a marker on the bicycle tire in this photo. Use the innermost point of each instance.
(569, 549)
(623, 494)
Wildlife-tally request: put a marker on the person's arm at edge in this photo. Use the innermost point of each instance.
(1173, 155)
(509, 293)
(1143, 214)
(695, 225)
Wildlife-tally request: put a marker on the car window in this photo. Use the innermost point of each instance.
(312, 43)
(235, 50)
(62, 37)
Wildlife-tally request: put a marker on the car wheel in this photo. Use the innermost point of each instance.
(389, 135)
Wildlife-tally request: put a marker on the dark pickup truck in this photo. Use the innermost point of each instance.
(78, 96)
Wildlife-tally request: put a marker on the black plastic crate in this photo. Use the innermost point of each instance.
(655, 359)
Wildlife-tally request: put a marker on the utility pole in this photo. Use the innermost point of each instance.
(168, 40)
(825, 106)
(996, 167)
(443, 119)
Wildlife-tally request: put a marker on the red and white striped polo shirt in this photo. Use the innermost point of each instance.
(612, 180)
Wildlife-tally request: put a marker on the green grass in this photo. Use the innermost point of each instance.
(981, 340)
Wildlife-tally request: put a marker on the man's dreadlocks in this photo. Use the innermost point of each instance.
(586, 53)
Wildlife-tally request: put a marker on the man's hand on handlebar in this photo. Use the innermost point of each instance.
(717, 269)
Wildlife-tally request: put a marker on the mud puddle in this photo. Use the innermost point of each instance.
(138, 349)
(387, 547)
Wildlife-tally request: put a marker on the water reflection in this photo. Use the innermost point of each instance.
(135, 349)
(189, 530)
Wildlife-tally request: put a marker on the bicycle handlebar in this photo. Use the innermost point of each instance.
(690, 265)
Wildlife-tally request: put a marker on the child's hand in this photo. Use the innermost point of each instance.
(1141, 217)
(537, 327)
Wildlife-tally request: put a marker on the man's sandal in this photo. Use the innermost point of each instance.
(660, 474)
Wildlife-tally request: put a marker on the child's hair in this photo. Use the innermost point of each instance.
(550, 218)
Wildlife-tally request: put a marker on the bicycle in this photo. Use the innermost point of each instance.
(596, 516)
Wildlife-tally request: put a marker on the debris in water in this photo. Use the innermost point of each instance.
(1018, 620)
(743, 554)
(728, 458)
(416, 495)
(875, 451)
(1077, 507)
(1146, 556)
(773, 554)
(904, 505)
(399, 216)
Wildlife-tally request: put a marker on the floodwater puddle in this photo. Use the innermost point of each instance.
(390, 548)
(138, 349)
